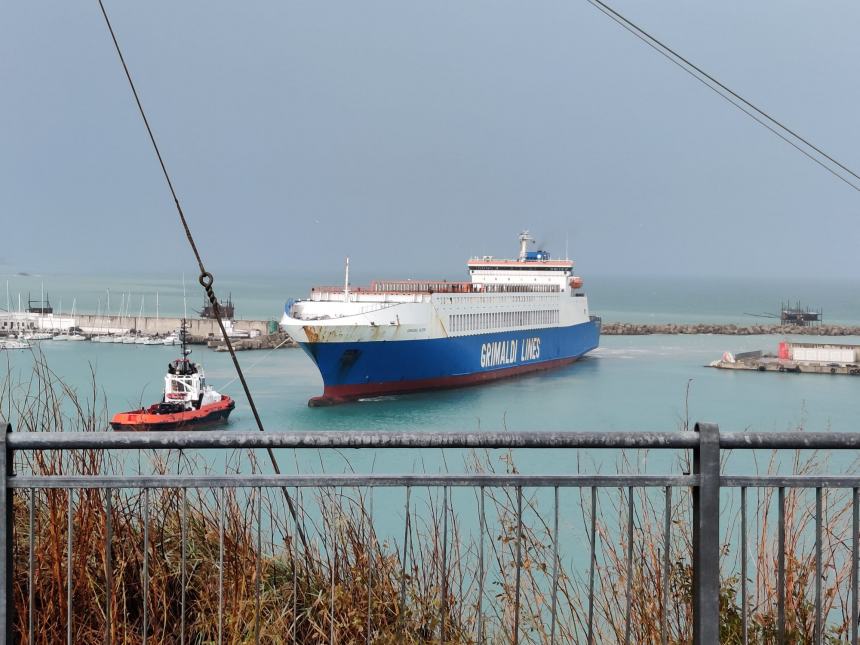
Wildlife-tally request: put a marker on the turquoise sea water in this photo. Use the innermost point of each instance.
(630, 383)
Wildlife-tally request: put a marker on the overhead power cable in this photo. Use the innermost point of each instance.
(763, 118)
(205, 279)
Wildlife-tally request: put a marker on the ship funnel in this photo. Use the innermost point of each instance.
(525, 238)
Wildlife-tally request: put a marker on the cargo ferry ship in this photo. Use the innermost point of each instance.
(396, 336)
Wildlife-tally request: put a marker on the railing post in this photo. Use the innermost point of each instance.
(7, 603)
(706, 536)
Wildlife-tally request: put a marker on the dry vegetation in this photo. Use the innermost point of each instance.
(347, 584)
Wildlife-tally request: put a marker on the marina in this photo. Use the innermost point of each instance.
(144, 330)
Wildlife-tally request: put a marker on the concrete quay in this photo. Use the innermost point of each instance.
(200, 329)
(644, 329)
(773, 364)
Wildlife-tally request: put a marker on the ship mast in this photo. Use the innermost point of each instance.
(183, 333)
(346, 281)
(525, 238)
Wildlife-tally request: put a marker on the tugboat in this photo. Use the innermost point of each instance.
(188, 403)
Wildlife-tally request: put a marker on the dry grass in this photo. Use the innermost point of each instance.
(348, 579)
(647, 609)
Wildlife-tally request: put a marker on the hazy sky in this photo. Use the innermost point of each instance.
(411, 135)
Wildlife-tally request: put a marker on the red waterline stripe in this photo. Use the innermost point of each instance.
(338, 393)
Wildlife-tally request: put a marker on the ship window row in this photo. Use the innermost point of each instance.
(498, 300)
(416, 286)
(517, 287)
(508, 267)
(497, 319)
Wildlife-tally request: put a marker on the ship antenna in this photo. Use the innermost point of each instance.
(183, 333)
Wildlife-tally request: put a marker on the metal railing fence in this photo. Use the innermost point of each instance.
(704, 484)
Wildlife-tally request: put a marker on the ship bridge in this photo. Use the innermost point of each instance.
(535, 269)
(534, 272)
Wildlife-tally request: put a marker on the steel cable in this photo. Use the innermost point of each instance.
(205, 279)
(754, 112)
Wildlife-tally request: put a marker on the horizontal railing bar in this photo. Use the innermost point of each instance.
(790, 440)
(347, 480)
(789, 481)
(389, 480)
(373, 439)
(346, 439)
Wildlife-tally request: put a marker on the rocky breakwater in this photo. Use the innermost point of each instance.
(268, 341)
(644, 329)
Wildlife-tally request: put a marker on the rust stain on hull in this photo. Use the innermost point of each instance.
(311, 333)
(359, 333)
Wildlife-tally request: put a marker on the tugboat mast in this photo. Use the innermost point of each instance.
(183, 334)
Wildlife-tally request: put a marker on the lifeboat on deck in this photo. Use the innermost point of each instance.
(576, 282)
(188, 402)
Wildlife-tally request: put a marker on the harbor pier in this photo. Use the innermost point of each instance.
(199, 329)
(794, 357)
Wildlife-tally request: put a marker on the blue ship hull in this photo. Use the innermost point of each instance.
(351, 370)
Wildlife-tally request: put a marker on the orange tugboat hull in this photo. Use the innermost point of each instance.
(144, 419)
